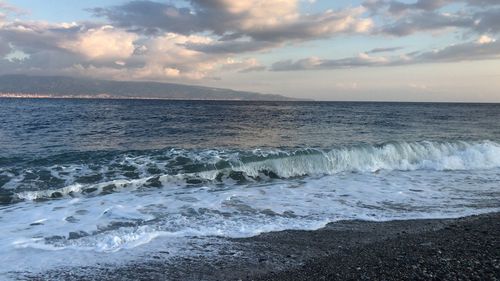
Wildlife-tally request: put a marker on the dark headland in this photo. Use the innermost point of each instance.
(438, 249)
(72, 87)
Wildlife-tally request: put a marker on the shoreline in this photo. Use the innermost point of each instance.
(465, 248)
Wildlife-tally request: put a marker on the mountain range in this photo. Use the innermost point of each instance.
(71, 87)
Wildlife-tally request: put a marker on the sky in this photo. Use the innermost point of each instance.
(368, 50)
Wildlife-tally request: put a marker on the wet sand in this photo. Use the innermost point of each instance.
(446, 249)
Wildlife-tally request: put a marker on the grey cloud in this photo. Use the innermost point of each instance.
(30, 38)
(426, 21)
(398, 7)
(482, 2)
(483, 21)
(487, 21)
(308, 27)
(4, 48)
(375, 5)
(462, 52)
(253, 69)
(318, 64)
(40, 41)
(403, 19)
(426, 5)
(455, 53)
(155, 17)
(212, 16)
(152, 17)
(231, 47)
(384, 50)
(305, 27)
(42, 62)
(290, 65)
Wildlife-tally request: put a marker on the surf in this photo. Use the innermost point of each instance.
(232, 167)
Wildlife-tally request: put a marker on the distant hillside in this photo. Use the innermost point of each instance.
(61, 86)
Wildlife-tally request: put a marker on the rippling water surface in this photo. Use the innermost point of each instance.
(87, 179)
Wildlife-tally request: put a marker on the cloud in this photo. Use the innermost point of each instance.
(150, 40)
(191, 39)
(315, 63)
(259, 20)
(11, 9)
(103, 43)
(403, 19)
(396, 7)
(103, 50)
(484, 48)
(246, 15)
(231, 47)
(482, 2)
(384, 50)
(256, 68)
(151, 17)
(485, 39)
(33, 37)
(166, 56)
(426, 21)
(106, 51)
(243, 66)
(5, 49)
(487, 21)
(318, 26)
(200, 39)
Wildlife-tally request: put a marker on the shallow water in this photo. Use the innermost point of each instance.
(81, 179)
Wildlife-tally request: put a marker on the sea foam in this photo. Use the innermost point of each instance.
(213, 166)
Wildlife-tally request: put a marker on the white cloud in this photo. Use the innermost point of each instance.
(167, 56)
(485, 39)
(158, 58)
(255, 14)
(245, 65)
(104, 43)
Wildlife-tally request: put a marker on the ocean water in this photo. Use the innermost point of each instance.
(110, 180)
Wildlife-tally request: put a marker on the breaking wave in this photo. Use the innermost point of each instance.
(184, 167)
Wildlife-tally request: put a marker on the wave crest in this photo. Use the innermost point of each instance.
(403, 156)
(247, 166)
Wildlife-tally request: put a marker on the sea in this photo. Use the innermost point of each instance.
(90, 182)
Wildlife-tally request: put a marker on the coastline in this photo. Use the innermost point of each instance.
(429, 249)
